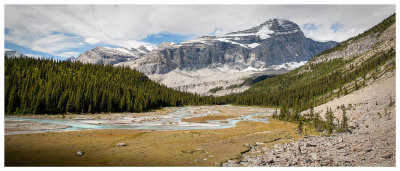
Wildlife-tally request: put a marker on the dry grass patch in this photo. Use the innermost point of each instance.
(204, 119)
(145, 148)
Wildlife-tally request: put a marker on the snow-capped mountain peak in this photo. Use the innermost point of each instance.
(112, 55)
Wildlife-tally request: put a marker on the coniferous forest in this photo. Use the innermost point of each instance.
(43, 86)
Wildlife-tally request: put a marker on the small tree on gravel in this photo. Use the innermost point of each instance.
(391, 103)
(300, 127)
(344, 124)
(329, 121)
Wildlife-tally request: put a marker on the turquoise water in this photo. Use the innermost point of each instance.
(172, 121)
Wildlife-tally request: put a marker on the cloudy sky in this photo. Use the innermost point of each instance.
(68, 30)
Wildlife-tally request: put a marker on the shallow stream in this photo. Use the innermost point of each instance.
(171, 121)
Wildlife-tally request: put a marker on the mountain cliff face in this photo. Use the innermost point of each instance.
(274, 42)
(13, 54)
(107, 55)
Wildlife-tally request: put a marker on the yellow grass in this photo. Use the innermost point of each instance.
(145, 148)
(204, 119)
(262, 117)
(225, 112)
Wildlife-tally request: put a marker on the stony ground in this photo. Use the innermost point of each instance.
(371, 142)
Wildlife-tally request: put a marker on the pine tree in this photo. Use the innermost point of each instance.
(329, 121)
(300, 127)
(344, 123)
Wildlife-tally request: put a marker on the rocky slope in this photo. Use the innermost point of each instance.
(372, 141)
(107, 55)
(371, 112)
(229, 79)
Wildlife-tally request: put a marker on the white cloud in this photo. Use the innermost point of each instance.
(57, 44)
(58, 29)
(91, 40)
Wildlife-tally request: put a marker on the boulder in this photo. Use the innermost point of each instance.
(259, 143)
(121, 144)
(79, 153)
(314, 156)
(387, 155)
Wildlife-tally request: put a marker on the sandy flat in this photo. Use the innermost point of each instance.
(11, 125)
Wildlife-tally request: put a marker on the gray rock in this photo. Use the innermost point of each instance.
(80, 153)
(260, 143)
(314, 156)
(310, 145)
(269, 161)
(121, 144)
(387, 155)
(326, 162)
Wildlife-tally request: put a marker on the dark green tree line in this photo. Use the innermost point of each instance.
(38, 86)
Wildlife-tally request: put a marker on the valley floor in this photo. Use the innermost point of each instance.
(372, 141)
(202, 147)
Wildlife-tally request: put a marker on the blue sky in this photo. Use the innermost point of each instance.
(62, 31)
(167, 37)
(153, 39)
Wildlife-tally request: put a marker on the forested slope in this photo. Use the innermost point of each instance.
(42, 86)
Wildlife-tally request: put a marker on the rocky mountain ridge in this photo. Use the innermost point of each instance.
(108, 55)
(274, 42)
(13, 54)
(190, 65)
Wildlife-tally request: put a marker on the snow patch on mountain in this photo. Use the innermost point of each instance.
(264, 32)
(232, 42)
(289, 65)
(253, 45)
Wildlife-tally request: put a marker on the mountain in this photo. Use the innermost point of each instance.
(107, 55)
(225, 62)
(274, 42)
(349, 66)
(71, 59)
(13, 54)
(208, 62)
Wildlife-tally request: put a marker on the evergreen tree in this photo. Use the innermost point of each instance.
(329, 121)
(344, 124)
(300, 127)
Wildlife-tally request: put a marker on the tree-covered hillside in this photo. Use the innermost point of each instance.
(42, 86)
